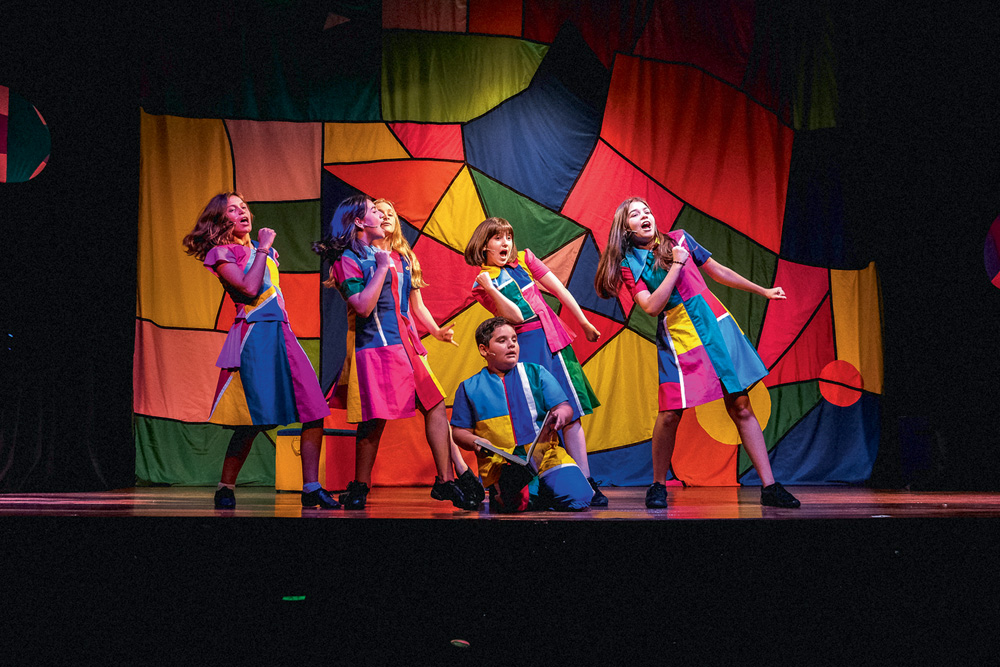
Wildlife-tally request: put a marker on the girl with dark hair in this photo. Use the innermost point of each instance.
(266, 378)
(703, 354)
(385, 374)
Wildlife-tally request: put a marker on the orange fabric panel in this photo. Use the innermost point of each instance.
(277, 160)
(711, 145)
(699, 459)
(857, 313)
(414, 186)
(496, 17)
(301, 292)
(174, 373)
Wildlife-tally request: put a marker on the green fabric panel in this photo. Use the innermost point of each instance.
(171, 452)
(741, 255)
(535, 227)
(312, 347)
(642, 323)
(553, 302)
(814, 105)
(28, 140)
(446, 78)
(298, 225)
(789, 404)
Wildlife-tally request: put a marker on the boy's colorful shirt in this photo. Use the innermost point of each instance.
(702, 350)
(269, 304)
(508, 411)
(516, 281)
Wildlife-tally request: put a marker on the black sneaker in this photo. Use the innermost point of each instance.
(471, 487)
(450, 491)
(225, 499)
(776, 496)
(656, 496)
(599, 499)
(355, 497)
(319, 498)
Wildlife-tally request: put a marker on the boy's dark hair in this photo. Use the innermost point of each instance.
(484, 332)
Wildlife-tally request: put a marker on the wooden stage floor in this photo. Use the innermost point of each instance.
(626, 504)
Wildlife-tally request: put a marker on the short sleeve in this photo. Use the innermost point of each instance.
(535, 266)
(462, 412)
(629, 280)
(480, 295)
(220, 254)
(349, 276)
(700, 254)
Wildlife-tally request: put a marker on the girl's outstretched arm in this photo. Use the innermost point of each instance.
(552, 283)
(505, 307)
(723, 275)
(419, 310)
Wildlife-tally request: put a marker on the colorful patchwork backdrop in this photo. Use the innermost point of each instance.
(547, 114)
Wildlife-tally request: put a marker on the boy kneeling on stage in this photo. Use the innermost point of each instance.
(505, 404)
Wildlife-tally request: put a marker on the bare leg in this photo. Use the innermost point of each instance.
(741, 412)
(664, 436)
(236, 454)
(310, 442)
(576, 444)
(365, 449)
(457, 461)
(439, 438)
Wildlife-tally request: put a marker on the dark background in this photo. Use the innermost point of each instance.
(917, 133)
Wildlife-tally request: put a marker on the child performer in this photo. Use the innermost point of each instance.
(385, 375)
(703, 354)
(506, 287)
(394, 241)
(505, 404)
(266, 377)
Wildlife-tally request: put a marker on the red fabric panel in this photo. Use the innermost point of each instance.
(582, 347)
(495, 17)
(436, 15)
(701, 460)
(443, 142)
(414, 186)
(449, 280)
(607, 180)
(809, 354)
(227, 314)
(301, 292)
(715, 36)
(805, 287)
(276, 159)
(708, 143)
(607, 27)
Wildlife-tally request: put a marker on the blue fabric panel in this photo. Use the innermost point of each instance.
(565, 488)
(628, 466)
(581, 283)
(538, 142)
(264, 373)
(830, 445)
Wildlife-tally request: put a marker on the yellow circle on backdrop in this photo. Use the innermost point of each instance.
(716, 422)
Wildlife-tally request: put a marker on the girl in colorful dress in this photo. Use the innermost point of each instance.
(266, 378)
(394, 241)
(385, 374)
(507, 287)
(703, 354)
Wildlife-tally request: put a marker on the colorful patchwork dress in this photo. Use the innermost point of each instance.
(702, 350)
(266, 377)
(386, 368)
(508, 411)
(542, 337)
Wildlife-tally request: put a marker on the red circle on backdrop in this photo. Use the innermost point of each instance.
(841, 383)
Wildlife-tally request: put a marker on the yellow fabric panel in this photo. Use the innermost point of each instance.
(857, 322)
(714, 418)
(231, 408)
(458, 214)
(622, 373)
(360, 142)
(682, 330)
(184, 163)
(427, 367)
(453, 364)
(498, 432)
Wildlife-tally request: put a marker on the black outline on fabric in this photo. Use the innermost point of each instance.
(164, 327)
(284, 201)
(439, 33)
(827, 295)
(833, 314)
(388, 126)
(398, 159)
(579, 173)
(224, 427)
(232, 150)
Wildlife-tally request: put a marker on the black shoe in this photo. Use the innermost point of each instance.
(656, 496)
(776, 496)
(450, 491)
(471, 487)
(225, 499)
(356, 496)
(320, 498)
(599, 499)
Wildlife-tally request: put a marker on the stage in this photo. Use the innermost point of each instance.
(155, 575)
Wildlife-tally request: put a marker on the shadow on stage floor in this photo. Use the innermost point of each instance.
(887, 578)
